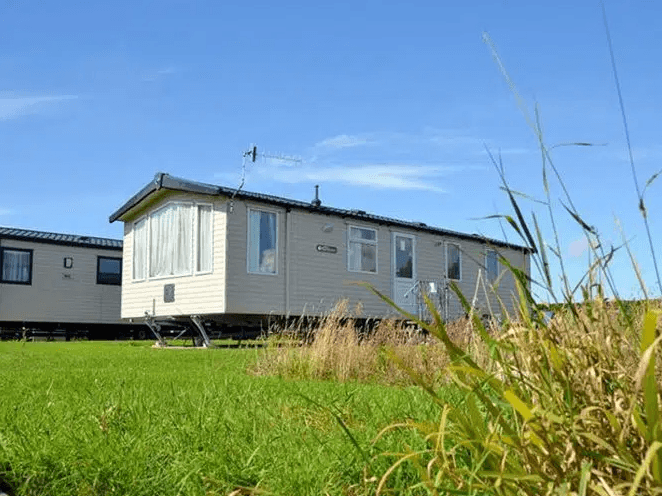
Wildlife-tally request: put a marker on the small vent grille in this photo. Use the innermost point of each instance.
(169, 293)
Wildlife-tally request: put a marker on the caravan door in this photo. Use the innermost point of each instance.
(404, 272)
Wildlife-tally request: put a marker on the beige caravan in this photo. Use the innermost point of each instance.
(51, 281)
(232, 256)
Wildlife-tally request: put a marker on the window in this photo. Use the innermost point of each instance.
(262, 242)
(362, 249)
(140, 249)
(109, 271)
(16, 266)
(453, 262)
(404, 257)
(171, 236)
(204, 234)
(492, 265)
(174, 240)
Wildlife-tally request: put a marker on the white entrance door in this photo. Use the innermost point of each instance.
(404, 272)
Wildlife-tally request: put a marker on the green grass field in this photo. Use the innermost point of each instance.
(89, 418)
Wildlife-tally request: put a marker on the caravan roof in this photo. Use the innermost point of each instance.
(163, 181)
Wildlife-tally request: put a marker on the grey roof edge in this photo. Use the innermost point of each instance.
(46, 237)
(166, 181)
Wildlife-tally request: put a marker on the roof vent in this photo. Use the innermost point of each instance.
(316, 202)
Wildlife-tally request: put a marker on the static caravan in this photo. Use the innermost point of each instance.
(229, 257)
(60, 282)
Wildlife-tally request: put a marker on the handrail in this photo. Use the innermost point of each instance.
(440, 289)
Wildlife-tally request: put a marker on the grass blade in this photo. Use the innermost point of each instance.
(629, 146)
(580, 221)
(651, 406)
(651, 455)
(543, 253)
(519, 406)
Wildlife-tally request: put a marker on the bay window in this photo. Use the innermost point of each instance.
(174, 240)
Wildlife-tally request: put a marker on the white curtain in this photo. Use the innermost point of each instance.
(171, 238)
(204, 238)
(160, 242)
(15, 266)
(140, 249)
(183, 256)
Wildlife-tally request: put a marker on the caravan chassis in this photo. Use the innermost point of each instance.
(67, 331)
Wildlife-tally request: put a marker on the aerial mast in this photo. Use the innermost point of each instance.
(250, 156)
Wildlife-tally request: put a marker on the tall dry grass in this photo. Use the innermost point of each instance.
(567, 406)
(338, 346)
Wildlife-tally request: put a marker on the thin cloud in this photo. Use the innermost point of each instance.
(449, 139)
(14, 107)
(5, 211)
(344, 141)
(578, 247)
(506, 151)
(429, 137)
(161, 73)
(394, 177)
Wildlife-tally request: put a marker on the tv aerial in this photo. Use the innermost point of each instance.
(251, 156)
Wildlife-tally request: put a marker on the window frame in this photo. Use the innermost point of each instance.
(375, 243)
(145, 254)
(106, 283)
(487, 266)
(413, 238)
(196, 237)
(459, 255)
(30, 271)
(250, 209)
(194, 204)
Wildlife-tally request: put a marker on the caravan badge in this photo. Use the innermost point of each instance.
(327, 249)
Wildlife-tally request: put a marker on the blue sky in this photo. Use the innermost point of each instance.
(389, 106)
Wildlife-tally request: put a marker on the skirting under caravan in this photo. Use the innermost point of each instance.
(234, 258)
